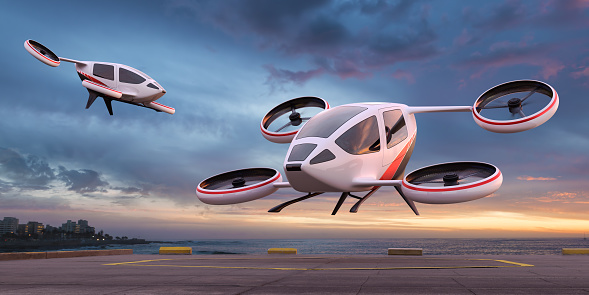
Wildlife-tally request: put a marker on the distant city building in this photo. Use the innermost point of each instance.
(49, 228)
(70, 227)
(35, 228)
(23, 229)
(84, 227)
(8, 225)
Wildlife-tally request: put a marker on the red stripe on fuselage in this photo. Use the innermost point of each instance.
(161, 105)
(105, 87)
(91, 78)
(390, 172)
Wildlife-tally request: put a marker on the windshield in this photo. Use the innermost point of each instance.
(327, 122)
(361, 139)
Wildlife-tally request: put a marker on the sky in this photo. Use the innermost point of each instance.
(224, 64)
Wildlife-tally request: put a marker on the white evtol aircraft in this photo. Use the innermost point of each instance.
(361, 147)
(110, 81)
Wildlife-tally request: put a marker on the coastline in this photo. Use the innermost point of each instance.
(42, 245)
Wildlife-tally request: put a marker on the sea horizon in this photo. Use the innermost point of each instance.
(359, 246)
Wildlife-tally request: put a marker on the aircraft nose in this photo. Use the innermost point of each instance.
(163, 91)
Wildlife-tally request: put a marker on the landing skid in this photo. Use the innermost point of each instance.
(108, 101)
(341, 200)
(283, 205)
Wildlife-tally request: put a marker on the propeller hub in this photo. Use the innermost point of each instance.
(238, 182)
(514, 103)
(295, 119)
(450, 179)
(294, 116)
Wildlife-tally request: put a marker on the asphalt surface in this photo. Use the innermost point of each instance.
(298, 274)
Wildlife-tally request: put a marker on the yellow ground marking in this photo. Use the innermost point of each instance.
(140, 263)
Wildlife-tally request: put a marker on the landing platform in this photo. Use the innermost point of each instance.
(295, 274)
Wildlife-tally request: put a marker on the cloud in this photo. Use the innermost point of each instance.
(24, 171)
(530, 178)
(277, 78)
(580, 74)
(82, 181)
(345, 39)
(505, 54)
(402, 74)
(564, 197)
(504, 15)
(507, 15)
(26, 202)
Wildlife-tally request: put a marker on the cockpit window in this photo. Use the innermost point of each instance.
(361, 139)
(127, 76)
(327, 122)
(104, 71)
(150, 85)
(395, 127)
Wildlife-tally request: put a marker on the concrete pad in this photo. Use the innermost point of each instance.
(282, 251)
(288, 274)
(62, 254)
(414, 290)
(84, 253)
(571, 251)
(405, 251)
(22, 255)
(176, 250)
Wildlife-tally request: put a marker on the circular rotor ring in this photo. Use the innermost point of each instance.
(453, 182)
(42, 53)
(238, 186)
(287, 113)
(521, 120)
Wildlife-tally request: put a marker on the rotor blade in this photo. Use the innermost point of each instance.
(278, 208)
(92, 95)
(285, 125)
(530, 94)
(407, 200)
(521, 113)
(341, 200)
(303, 119)
(108, 103)
(529, 102)
(427, 181)
(460, 177)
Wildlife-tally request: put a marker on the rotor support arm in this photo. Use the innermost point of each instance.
(437, 109)
(71, 60)
(282, 184)
(279, 208)
(376, 182)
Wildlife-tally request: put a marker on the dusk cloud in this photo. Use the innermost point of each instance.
(82, 181)
(25, 171)
(530, 178)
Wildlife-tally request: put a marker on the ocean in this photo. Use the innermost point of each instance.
(552, 246)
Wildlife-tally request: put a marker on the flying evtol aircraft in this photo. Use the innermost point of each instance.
(110, 81)
(362, 147)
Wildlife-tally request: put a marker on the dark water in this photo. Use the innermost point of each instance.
(368, 246)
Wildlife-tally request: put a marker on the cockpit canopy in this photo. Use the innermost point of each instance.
(362, 138)
(107, 71)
